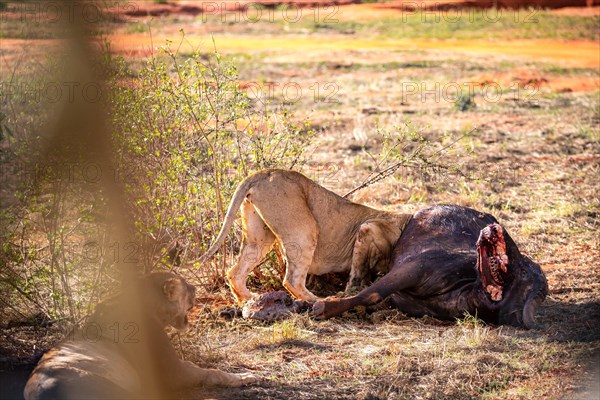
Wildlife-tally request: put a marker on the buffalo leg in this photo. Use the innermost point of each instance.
(409, 305)
(400, 278)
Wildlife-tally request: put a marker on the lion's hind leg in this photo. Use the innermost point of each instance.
(257, 240)
(297, 233)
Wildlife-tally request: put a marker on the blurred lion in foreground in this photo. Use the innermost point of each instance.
(120, 353)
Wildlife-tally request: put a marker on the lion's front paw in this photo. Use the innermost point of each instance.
(245, 378)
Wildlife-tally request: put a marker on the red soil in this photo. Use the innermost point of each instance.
(145, 8)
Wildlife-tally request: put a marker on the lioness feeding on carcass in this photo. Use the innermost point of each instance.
(317, 230)
(123, 352)
(449, 260)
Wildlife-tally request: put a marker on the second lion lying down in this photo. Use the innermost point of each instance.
(318, 232)
(123, 352)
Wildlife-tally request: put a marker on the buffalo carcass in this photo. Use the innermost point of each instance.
(452, 260)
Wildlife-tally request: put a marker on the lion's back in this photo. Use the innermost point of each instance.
(80, 369)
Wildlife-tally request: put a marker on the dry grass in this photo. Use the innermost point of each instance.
(533, 163)
(383, 356)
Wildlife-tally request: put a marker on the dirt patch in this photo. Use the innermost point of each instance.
(578, 11)
(537, 81)
(466, 4)
(533, 163)
(193, 8)
(575, 53)
(590, 383)
(180, 8)
(15, 52)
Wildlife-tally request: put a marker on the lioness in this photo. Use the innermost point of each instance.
(120, 353)
(317, 230)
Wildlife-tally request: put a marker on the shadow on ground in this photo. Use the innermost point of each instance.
(13, 376)
(559, 321)
(570, 322)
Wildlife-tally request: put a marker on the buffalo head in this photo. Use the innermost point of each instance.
(512, 286)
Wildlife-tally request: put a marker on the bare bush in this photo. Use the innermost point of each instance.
(184, 134)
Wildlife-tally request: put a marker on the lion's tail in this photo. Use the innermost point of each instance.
(234, 206)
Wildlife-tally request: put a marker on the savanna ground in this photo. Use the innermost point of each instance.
(523, 144)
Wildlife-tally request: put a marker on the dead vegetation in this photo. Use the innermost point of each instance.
(533, 162)
(386, 355)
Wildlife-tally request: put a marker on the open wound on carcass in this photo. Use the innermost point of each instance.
(269, 306)
(273, 306)
(492, 260)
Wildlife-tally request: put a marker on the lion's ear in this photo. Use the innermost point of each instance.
(172, 288)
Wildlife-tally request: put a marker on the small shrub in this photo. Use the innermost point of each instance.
(187, 134)
(464, 102)
(184, 135)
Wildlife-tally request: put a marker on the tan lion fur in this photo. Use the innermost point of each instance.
(317, 231)
(123, 353)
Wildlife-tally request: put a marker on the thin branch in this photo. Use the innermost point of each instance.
(384, 173)
(408, 162)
